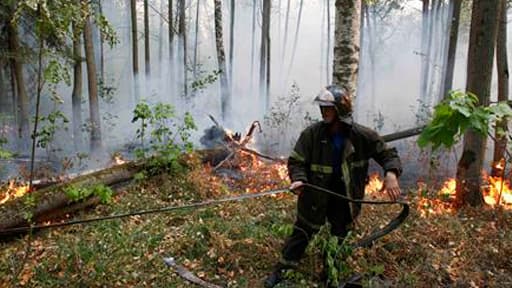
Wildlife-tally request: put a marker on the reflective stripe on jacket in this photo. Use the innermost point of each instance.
(311, 162)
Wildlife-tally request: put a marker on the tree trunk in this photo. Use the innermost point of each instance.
(231, 41)
(183, 46)
(102, 50)
(196, 42)
(285, 38)
(135, 50)
(253, 40)
(147, 51)
(172, 68)
(225, 99)
(346, 45)
(21, 92)
(452, 46)
(484, 24)
(503, 87)
(76, 97)
(328, 50)
(94, 110)
(296, 38)
(265, 54)
(425, 47)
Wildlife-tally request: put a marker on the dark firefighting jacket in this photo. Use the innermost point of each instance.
(311, 162)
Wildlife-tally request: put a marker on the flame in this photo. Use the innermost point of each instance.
(496, 188)
(374, 184)
(13, 191)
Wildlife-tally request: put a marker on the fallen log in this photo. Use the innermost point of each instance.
(49, 199)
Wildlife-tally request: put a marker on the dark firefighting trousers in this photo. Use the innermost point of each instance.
(339, 216)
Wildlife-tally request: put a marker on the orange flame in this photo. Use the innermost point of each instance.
(496, 188)
(374, 185)
(13, 191)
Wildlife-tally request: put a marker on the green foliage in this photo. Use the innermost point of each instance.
(334, 254)
(458, 113)
(206, 80)
(75, 193)
(49, 125)
(168, 138)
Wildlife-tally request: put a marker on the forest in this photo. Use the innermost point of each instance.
(158, 143)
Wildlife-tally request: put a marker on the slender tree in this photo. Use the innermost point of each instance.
(285, 38)
(19, 80)
(346, 44)
(196, 42)
(183, 43)
(503, 87)
(328, 50)
(76, 96)
(484, 24)
(135, 49)
(253, 40)
(94, 108)
(171, 32)
(231, 40)
(265, 55)
(425, 48)
(147, 51)
(452, 45)
(221, 60)
(296, 38)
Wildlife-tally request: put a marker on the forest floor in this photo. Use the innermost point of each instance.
(236, 244)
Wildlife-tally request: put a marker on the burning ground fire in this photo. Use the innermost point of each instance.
(11, 191)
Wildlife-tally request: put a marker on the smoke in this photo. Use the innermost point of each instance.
(393, 74)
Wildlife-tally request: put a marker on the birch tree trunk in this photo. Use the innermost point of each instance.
(225, 99)
(94, 110)
(500, 145)
(425, 47)
(346, 45)
(170, 21)
(484, 24)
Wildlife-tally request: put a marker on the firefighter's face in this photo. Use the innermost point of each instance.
(329, 114)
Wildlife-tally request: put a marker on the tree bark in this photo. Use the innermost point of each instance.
(346, 45)
(76, 96)
(253, 40)
(328, 50)
(265, 54)
(94, 110)
(135, 49)
(225, 99)
(21, 92)
(484, 24)
(296, 38)
(147, 51)
(231, 41)
(183, 44)
(500, 145)
(170, 10)
(196, 42)
(425, 47)
(452, 46)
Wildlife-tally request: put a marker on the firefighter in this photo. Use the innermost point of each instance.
(332, 154)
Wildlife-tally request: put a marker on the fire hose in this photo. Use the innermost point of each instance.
(364, 242)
